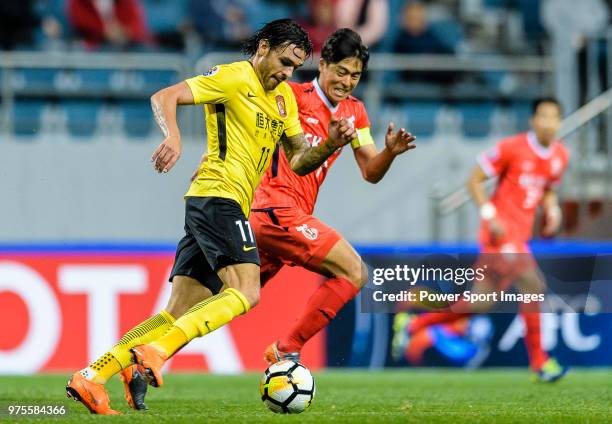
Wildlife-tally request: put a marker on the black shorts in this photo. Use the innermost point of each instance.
(217, 235)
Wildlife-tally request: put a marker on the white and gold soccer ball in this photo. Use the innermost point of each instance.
(287, 387)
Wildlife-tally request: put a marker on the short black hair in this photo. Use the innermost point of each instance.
(546, 99)
(278, 33)
(344, 43)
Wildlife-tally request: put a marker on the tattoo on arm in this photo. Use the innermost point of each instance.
(159, 117)
(302, 158)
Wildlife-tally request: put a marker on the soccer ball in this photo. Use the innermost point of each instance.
(287, 387)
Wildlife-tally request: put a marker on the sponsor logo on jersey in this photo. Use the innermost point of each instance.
(527, 166)
(212, 71)
(351, 120)
(312, 120)
(280, 102)
(314, 140)
(309, 233)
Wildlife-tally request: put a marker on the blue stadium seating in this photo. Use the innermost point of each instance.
(164, 15)
(36, 79)
(81, 116)
(96, 79)
(449, 32)
(27, 117)
(156, 80)
(137, 118)
(476, 118)
(421, 117)
(495, 3)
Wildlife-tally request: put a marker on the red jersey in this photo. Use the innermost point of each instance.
(525, 170)
(280, 186)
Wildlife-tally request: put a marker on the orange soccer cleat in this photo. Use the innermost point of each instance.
(152, 359)
(272, 355)
(90, 394)
(135, 385)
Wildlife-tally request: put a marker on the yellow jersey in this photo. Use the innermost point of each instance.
(243, 122)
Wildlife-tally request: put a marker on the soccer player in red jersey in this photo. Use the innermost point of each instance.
(286, 231)
(528, 167)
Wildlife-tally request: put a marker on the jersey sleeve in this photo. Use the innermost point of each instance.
(292, 123)
(495, 160)
(218, 85)
(362, 126)
(558, 167)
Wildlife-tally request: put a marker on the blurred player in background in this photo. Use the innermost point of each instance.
(528, 167)
(287, 233)
(249, 108)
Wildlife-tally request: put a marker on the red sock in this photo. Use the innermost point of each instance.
(321, 308)
(533, 340)
(432, 318)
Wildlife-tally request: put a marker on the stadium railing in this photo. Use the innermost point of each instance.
(12, 63)
(375, 90)
(589, 175)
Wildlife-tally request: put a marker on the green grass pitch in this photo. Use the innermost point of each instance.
(402, 396)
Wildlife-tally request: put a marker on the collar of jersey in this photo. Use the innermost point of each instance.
(537, 147)
(323, 97)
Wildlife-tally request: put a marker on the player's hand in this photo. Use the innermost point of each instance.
(197, 170)
(340, 132)
(398, 142)
(166, 155)
(553, 221)
(497, 229)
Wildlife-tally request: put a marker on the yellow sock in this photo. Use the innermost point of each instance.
(119, 357)
(202, 319)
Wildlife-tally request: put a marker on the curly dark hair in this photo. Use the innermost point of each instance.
(280, 32)
(344, 43)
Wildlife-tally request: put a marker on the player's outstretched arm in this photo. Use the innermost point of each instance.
(163, 104)
(373, 164)
(479, 195)
(304, 159)
(552, 212)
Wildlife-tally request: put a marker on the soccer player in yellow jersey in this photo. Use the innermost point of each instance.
(249, 108)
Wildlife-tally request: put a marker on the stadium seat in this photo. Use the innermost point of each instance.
(156, 80)
(81, 116)
(137, 118)
(449, 32)
(95, 79)
(27, 117)
(421, 117)
(165, 15)
(476, 118)
(262, 11)
(35, 80)
(497, 4)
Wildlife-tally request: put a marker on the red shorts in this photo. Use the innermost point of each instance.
(505, 258)
(289, 236)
